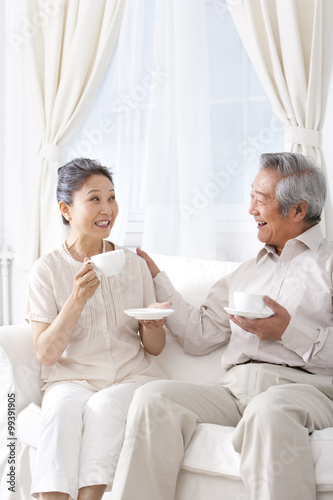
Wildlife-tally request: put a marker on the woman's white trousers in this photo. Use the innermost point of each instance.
(80, 436)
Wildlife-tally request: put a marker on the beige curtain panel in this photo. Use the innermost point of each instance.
(70, 50)
(283, 39)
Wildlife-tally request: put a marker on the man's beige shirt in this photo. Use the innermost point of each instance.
(300, 279)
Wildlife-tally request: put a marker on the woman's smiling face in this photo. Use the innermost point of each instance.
(273, 228)
(94, 208)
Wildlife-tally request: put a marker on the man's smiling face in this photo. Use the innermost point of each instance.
(273, 228)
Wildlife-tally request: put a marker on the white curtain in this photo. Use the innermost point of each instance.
(172, 119)
(284, 41)
(71, 44)
(177, 192)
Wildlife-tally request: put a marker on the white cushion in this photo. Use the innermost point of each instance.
(193, 278)
(22, 367)
(210, 451)
(28, 422)
(322, 451)
(181, 366)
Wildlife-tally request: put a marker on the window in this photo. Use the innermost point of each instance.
(242, 126)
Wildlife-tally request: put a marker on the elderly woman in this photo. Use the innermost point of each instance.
(93, 356)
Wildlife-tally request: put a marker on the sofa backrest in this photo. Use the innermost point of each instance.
(193, 278)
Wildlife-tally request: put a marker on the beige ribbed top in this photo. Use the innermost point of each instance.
(105, 347)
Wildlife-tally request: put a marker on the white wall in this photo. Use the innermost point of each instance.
(20, 276)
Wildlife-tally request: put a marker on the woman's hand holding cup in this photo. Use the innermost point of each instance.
(85, 282)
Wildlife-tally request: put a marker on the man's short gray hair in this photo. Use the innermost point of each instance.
(301, 180)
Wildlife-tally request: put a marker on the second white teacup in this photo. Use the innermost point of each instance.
(249, 302)
(108, 263)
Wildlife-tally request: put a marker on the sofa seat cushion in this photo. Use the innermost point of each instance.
(28, 422)
(322, 451)
(210, 450)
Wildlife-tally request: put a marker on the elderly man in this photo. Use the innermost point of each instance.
(278, 383)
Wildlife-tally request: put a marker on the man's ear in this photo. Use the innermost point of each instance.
(300, 210)
(65, 210)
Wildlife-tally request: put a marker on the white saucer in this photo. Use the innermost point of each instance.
(248, 314)
(148, 313)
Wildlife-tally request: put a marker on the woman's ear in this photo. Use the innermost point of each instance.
(65, 210)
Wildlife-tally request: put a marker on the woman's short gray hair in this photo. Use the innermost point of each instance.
(301, 180)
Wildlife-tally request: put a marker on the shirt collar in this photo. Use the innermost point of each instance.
(267, 249)
(312, 238)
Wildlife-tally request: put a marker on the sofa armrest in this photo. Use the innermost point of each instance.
(19, 368)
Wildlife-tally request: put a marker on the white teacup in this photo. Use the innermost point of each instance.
(108, 263)
(249, 302)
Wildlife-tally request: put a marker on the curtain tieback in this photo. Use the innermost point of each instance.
(51, 152)
(300, 135)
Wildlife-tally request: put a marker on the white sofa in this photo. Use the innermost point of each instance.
(211, 466)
